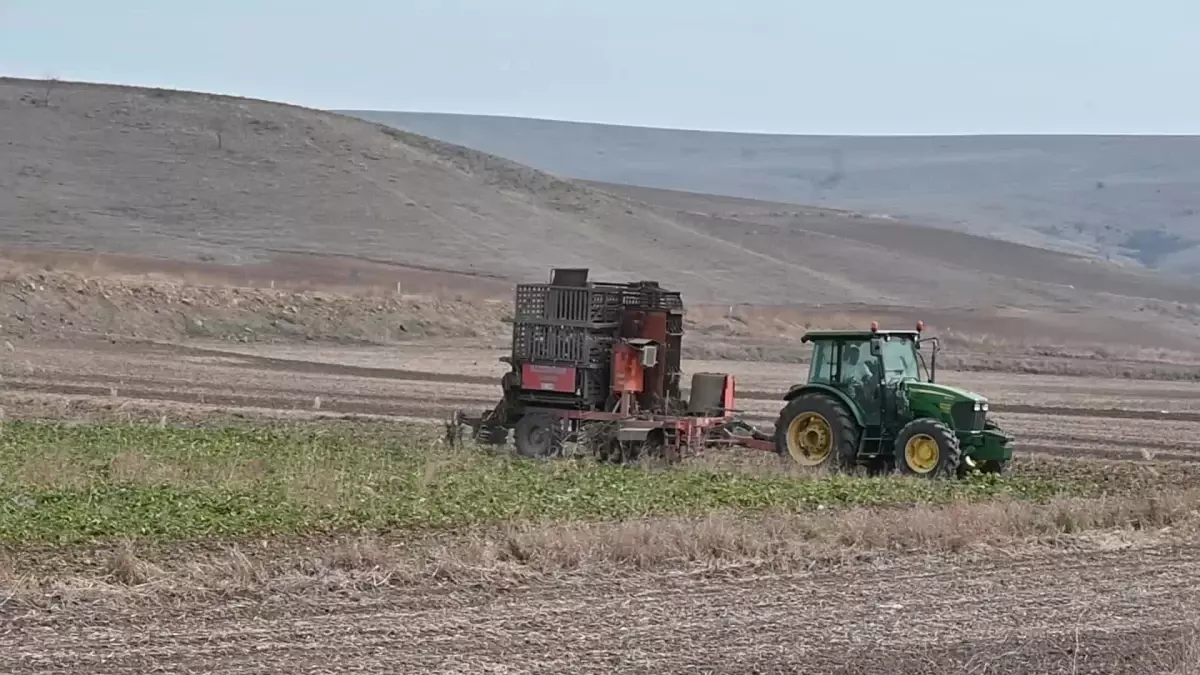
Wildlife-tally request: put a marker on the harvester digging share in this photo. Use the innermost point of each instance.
(598, 364)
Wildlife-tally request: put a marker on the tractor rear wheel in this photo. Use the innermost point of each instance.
(537, 435)
(926, 447)
(816, 430)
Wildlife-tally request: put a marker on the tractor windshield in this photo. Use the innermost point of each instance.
(900, 359)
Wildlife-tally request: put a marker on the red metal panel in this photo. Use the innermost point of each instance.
(728, 399)
(627, 370)
(650, 325)
(548, 378)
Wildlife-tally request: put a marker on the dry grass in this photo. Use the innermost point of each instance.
(67, 305)
(1084, 612)
(774, 542)
(127, 569)
(292, 273)
(1186, 659)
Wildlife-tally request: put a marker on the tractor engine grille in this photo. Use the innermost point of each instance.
(966, 417)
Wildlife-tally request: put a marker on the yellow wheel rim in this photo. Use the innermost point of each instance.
(921, 453)
(809, 438)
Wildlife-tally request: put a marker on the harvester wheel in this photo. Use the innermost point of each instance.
(601, 439)
(654, 446)
(491, 435)
(926, 447)
(537, 436)
(816, 430)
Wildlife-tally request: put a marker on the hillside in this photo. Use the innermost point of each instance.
(1120, 197)
(224, 186)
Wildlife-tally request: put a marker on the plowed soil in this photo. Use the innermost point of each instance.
(1104, 418)
(1119, 603)
(1131, 611)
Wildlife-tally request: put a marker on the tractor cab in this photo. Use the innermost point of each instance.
(871, 398)
(869, 366)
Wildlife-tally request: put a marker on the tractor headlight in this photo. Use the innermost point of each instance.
(980, 407)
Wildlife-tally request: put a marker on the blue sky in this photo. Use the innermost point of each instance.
(855, 66)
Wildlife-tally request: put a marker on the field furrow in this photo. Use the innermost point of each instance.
(1006, 611)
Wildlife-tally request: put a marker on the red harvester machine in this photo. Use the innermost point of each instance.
(599, 364)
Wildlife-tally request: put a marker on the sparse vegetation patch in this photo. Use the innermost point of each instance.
(72, 483)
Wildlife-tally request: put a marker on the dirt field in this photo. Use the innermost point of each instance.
(179, 257)
(1065, 416)
(1117, 601)
(1130, 611)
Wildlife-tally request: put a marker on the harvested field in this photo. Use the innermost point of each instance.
(221, 547)
(1068, 416)
(207, 516)
(217, 383)
(1025, 614)
(76, 483)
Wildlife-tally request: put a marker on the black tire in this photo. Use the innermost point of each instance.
(948, 455)
(488, 435)
(839, 452)
(537, 436)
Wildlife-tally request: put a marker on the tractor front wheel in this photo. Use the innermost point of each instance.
(926, 447)
(537, 436)
(815, 430)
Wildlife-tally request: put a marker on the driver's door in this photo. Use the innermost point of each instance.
(861, 380)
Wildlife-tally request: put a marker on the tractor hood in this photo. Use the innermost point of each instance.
(953, 394)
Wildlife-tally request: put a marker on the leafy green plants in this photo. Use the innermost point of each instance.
(74, 483)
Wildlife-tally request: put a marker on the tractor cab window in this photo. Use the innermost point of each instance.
(822, 369)
(841, 362)
(861, 377)
(900, 360)
(857, 363)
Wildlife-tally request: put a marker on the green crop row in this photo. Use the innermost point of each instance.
(72, 483)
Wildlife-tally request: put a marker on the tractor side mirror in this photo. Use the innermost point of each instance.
(876, 347)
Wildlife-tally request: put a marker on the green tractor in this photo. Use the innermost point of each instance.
(865, 403)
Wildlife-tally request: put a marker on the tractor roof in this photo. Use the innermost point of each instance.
(856, 334)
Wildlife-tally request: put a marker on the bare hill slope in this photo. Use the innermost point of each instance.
(194, 177)
(1131, 197)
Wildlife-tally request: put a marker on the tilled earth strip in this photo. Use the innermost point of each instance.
(123, 375)
(1115, 612)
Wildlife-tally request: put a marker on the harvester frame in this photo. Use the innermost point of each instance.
(599, 364)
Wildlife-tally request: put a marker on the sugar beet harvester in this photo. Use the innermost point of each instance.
(599, 364)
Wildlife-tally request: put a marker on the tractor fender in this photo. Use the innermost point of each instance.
(808, 388)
